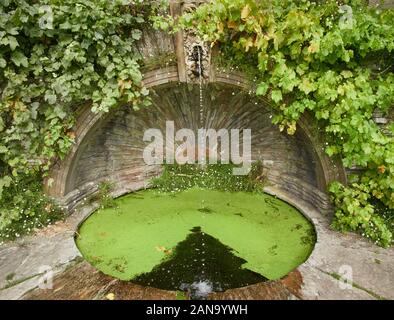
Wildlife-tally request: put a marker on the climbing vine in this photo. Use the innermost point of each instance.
(332, 59)
(56, 55)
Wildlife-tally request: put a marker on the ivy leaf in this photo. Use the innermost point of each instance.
(276, 96)
(331, 150)
(144, 91)
(366, 148)
(381, 169)
(346, 74)
(59, 112)
(5, 182)
(50, 97)
(3, 63)
(136, 34)
(18, 58)
(232, 24)
(335, 187)
(262, 89)
(263, 61)
(247, 43)
(314, 47)
(306, 86)
(291, 129)
(139, 19)
(12, 42)
(323, 114)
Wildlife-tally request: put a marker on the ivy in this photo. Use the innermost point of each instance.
(55, 56)
(310, 57)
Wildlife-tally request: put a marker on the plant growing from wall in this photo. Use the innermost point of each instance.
(56, 55)
(103, 195)
(333, 59)
(176, 178)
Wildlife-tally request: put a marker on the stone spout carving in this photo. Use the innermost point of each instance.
(197, 53)
(197, 59)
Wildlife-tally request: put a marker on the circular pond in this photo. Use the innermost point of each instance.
(196, 240)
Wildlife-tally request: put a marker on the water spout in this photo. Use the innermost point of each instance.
(197, 58)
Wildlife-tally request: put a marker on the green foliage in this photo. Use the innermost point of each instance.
(56, 55)
(354, 212)
(24, 208)
(309, 57)
(104, 195)
(176, 178)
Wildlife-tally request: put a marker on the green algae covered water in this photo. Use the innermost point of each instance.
(203, 239)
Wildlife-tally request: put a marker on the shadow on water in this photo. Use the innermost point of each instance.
(199, 265)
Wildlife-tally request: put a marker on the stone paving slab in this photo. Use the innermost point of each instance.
(22, 261)
(83, 282)
(371, 267)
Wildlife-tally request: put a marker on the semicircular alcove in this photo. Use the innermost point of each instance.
(115, 151)
(110, 147)
(113, 148)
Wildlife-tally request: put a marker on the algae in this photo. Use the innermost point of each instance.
(139, 234)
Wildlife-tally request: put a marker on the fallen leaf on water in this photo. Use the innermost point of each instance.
(160, 248)
(163, 249)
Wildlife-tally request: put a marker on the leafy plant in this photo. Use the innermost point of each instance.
(176, 178)
(24, 208)
(310, 57)
(104, 194)
(55, 56)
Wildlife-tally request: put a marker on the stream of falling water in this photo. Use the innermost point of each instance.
(202, 286)
(200, 87)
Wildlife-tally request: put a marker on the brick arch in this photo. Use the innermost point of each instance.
(301, 166)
